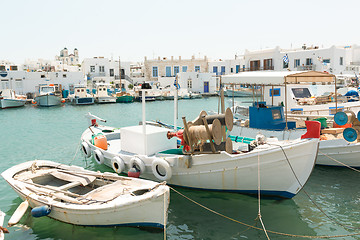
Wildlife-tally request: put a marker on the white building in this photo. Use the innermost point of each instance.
(104, 70)
(24, 82)
(197, 82)
(335, 60)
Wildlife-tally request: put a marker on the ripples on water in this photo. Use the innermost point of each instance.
(54, 134)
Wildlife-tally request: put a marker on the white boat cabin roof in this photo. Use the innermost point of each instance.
(277, 78)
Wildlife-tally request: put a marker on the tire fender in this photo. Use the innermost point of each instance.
(86, 149)
(118, 164)
(158, 162)
(136, 161)
(98, 156)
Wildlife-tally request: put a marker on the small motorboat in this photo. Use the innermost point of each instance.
(48, 95)
(81, 97)
(74, 195)
(8, 99)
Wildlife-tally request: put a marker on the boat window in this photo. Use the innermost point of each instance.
(78, 90)
(276, 114)
(301, 92)
(82, 90)
(47, 89)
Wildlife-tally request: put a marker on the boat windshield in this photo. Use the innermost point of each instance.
(47, 89)
(301, 92)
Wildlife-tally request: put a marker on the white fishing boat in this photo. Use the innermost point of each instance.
(283, 166)
(310, 93)
(102, 95)
(80, 96)
(241, 92)
(48, 95)
(74, 195)
(194, 95)
(8, 99)
(302, 99)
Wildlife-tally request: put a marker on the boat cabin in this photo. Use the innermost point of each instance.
(262, 116)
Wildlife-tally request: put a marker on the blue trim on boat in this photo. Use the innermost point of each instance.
(274, 194)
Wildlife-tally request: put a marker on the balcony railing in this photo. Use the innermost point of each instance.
(306, 68)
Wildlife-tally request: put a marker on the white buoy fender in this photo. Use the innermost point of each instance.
(86, 149)
(118, 164)
(19, 212)
(99, 156)
(138, 163)
(161, 169)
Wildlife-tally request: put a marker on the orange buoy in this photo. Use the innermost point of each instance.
(62, 100)
(33, 101)
(100, 141)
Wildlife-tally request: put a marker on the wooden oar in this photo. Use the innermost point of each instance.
(19, 212)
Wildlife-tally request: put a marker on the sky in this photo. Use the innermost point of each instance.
(39, 29)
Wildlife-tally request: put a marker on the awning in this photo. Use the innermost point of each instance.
(277, 78)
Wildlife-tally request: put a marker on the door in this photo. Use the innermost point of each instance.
(206, 87)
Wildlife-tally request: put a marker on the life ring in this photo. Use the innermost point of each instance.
(99, 156)
(118, 164)
(138, 163)
(86, 149)
(161, 169)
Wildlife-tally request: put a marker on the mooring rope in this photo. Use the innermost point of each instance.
(345, 165)
(165, 220)
(259, 211)
(257, 228)
(318, 207)
(77, 149)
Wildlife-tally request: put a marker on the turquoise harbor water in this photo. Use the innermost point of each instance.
(54, 134)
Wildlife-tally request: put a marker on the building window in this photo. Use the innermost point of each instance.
(101, 69)
(18, 83)
(5, 84)
(184, 68)
(308, 61)
(189, 84)
(341, 60)
(197, 68)
(111, 72)
(238, 68)
(296, 63)
(255, 65)
(155, 71)
(168, 71)
(222, 70)
(92, 68)
(176, 70)
(276, 92)
(215, 69)
(268, 64)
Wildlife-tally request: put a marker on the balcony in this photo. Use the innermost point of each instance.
(306, 68)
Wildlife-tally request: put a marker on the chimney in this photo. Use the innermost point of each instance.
(145, 58)
(158, 58)
(172, 58)
(192, 57)
(179, 57)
